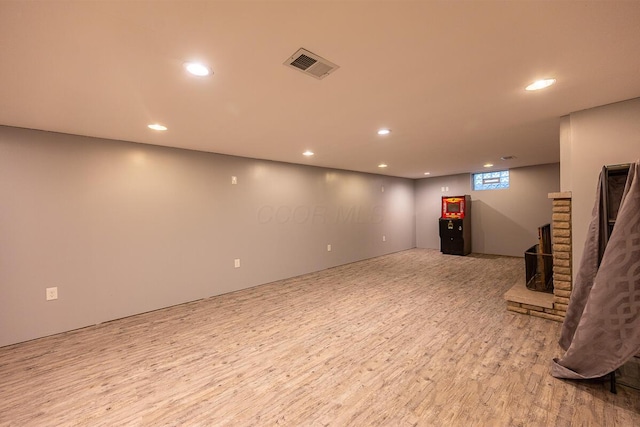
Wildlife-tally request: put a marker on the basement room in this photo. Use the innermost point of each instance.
(319, 213)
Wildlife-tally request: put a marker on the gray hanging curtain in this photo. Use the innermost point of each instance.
(601, 330)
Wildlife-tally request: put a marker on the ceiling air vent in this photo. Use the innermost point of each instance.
(311, 64)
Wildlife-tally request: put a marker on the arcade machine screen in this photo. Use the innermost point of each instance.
(453, 207)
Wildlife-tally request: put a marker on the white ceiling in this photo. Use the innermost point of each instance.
(447, 77)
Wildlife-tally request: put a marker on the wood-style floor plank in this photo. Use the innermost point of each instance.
(415, 338)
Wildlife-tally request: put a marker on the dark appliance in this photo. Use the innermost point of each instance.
(455, 225)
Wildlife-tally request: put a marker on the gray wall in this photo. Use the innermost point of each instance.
(504, 222)
(591, 139)
(429, 192)
(123, 228)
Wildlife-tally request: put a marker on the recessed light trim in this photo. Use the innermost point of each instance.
(383, 165)
(488, 165)
(308, 153)
(384, 131)
(508, 157)
(197, 69)
(156, 126)
(427, 173)
(540, 84)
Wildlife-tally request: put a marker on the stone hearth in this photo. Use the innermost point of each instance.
(550, 306)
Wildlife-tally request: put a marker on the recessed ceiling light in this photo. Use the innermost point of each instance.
(427, 173)
(382, 165)
(308, 153)
(508, 157)
(384, 131)
(157, 126)
(540, 84)
(197, 69)
(488, 165)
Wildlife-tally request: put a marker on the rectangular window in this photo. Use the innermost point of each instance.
(491, 180)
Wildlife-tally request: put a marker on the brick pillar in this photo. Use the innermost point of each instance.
(561, 241)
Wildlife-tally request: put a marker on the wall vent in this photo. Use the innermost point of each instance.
(311, 64)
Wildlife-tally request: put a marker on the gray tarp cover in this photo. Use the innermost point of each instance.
(601, 330)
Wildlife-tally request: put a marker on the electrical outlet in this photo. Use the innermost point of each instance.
(234, 180)
(328, 248)
(52, 293)
(236, 263)
(384, 238)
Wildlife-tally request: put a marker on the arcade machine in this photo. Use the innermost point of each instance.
(455, 225)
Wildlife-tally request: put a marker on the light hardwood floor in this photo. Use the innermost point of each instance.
(412, 338)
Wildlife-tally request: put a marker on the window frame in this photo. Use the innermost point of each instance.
(503, 176)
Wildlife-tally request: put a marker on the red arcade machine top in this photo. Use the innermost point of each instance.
(454, 207)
